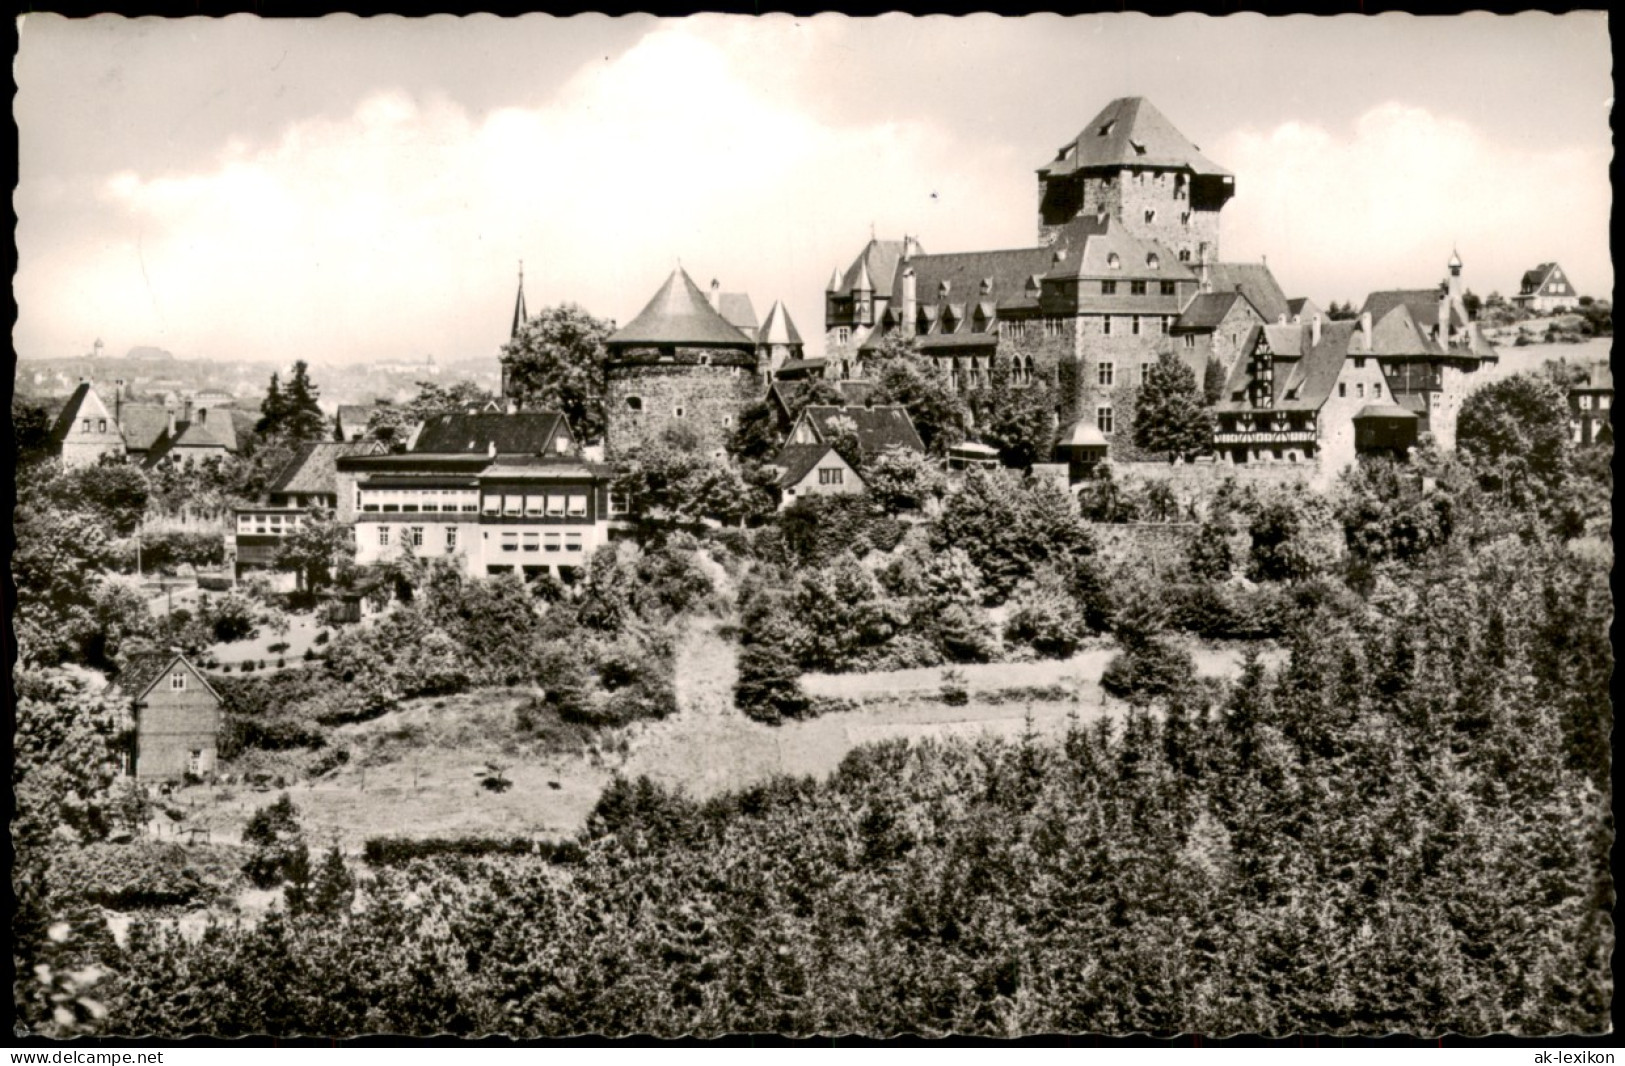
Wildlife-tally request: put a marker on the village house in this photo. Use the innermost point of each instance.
(809, 463)
(194, 436)
(1546, 289)
(177, 717)
(85, 431)
(1591, 403)
(496, 492)
(308, 484)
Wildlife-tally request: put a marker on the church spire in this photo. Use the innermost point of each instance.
(519, 315)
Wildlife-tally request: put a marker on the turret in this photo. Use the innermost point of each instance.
(863, 294)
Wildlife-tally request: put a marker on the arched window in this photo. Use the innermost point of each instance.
(1113, 261)
(1153, 261)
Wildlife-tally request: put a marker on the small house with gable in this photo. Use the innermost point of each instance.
(177, 717)
(1546, 288)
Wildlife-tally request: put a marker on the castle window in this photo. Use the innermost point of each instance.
(1167, 288)
(1113, 261)
(1108, 288)
(1136, 288)
(1134, 325)
(1104, 373)
(451, 538)
(417, 536)
(177, 681)
(1184, 255)
(1052, 326)
(1359, 362)
(1184, 218)
(1105, 325)
(677, 412)
(843, 335)
(727, 420)
(1150, 216)
(634, 404)
(383, 536)
(1103, 419)
(1342, 389)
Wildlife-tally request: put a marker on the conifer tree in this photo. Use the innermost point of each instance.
(273, 411)
(1168, 416)
(302, 418)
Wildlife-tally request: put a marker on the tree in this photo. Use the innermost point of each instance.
(315, 549)
(1016, 417)
(556, 363)
(1471, 301)
(902, 479)
(1010, 528)
(392, 423)
(1168, 415)
(756, 438)
(1516, 432)
(30, 430)
(1386, 515)
(292, 413)
(303, 419)
(1212, 381)
(273, 410)
(669, 481)
(923, 388)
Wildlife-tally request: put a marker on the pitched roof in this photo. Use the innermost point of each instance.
(1297, 305)
(1599, 378)
(144, 670)
(1422, 303)
(520, 433)
(736, 308)
(778, 328)
(1254, 281)
(1384, 410)
(1082, 434)
(200, 432)
(798, 460)
(1089, 248)
(1129, 132)
(1206, 311)
(679, 314)
(1399, 332)
(70, 412)
(1301, 385)
(878, 428)
(314, 467)
(1007, 269)
(879, 259)
(143, 423)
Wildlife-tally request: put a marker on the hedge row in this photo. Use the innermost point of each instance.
(396, 851)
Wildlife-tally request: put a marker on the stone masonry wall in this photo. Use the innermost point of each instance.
(706, 398)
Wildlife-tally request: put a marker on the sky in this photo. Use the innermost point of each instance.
(348, 190)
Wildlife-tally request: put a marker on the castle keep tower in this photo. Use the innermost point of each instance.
(679, 362)
(1130, 164)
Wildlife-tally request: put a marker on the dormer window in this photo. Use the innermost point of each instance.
(1139, 149)
(987, 286)
(1153, 261)
(1150, 216)
(942, 288)
(1106, 130)
(1113, 262)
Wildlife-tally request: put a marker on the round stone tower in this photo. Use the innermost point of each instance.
(678, 363)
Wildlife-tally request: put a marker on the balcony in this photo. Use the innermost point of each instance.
(1261, 436)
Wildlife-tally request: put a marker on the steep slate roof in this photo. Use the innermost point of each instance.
(878, 427)
(798, 460)
(202, 432)
(964, 272)
(1307, 379)
(1295, 306)
(1422, 303)
(1129, 132)
(778, 328)
(1088, 245)
(1398, 332)
(143, 423)
(1254, 281)
(1384, 410)
(141, 672)
(69, 413)
(520, 433)
(314, 468)
(1082, 434)
(680, 315)
(880, 259)
(736, 308)
(1206, 311)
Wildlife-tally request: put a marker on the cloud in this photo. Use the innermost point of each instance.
(1381, 207)
(393, 231)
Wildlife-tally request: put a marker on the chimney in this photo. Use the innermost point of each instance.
(171, 425)
(202, 416)
(716, 294)
(186, 410)
(1365, 328)
(1203, 274)
(1314, 331)
(118, 401)
(491, 449)
(909, 301)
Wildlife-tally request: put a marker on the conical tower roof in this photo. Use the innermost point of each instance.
(680, 314)
(834, 280)
(519, 315)
(778, 328)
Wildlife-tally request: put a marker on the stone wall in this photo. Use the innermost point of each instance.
(1195, 483)
(1175, 225)
(705, 398)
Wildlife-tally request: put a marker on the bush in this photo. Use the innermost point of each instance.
(127, 876)
(769, 684)
(1046, 619)
(1148, 670)
(953, 691)
(398, 851)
